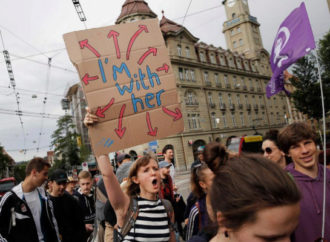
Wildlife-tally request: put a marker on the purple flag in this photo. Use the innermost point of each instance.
(294, 39)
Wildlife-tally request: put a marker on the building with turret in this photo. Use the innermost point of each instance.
(222, 91)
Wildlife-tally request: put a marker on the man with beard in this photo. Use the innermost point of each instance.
(66, 209)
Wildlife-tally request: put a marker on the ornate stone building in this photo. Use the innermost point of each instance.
(222, 91)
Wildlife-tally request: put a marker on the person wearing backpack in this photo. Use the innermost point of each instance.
(141, 215)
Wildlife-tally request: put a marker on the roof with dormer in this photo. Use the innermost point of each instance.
(169, 27)
(133, 7)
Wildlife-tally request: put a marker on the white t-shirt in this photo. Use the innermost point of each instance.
(34, 203)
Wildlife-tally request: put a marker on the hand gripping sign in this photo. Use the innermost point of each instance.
(128, 81)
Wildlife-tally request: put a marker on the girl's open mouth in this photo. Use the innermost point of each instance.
(154, 182)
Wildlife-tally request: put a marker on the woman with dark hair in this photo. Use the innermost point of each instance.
(153, 223)
(201, 181)
(271, 150)
(251, 198)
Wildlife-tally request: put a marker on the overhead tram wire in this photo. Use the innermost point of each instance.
(12, 83)
(33, 91)
(44, 101)
(198, 12)
(29, 114)
(184, 18)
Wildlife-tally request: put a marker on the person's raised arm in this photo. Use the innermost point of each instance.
(118, 199)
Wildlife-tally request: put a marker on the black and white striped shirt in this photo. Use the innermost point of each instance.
(151, 223)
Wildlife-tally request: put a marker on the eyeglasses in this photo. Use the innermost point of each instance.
(267, 150)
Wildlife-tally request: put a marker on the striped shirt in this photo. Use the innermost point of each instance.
(151, 223)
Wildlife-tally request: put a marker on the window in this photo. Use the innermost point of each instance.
(222, 60)
(275, 101)
(225, 78)
(234, 81)
(249, 118)
(212, 59)
(260, 100)
(239, 65)
(187, 52)
(251, 84)
(179, 50)
(238, 29)
(233, 119)
(202, 56)
(238, 99)
(235, 44)
(214, 120)
(254, 100)
(229, 99)
(243, 82)
(241, 116)
(192, 73)
(233, 15)
(232, 32)
(216, 78)
(191, 98)
(194, 121)
(246, 100)
(241, 42)
(220, 98)
(209, 97)
(186, 72)
(231, 63)
(224, 120)
(181, 73)
(206, 77)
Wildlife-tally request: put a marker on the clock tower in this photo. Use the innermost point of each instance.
(241, 29)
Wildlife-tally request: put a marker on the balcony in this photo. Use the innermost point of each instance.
(248, 107)
(208, 84)
(259, 89)
(244, 87)
(228, 85)
(240, 106)
(222, 106)
(232, 107)
(212, 105)
(237, 86)
(255, 107)
(262, 106)
(218, 84)
(192, 103)
(251, 89)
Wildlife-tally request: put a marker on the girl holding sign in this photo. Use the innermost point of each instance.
(152, 219)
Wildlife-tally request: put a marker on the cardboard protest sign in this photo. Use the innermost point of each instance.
(128, 81)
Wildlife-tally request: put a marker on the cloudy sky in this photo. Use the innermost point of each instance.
(32, 33)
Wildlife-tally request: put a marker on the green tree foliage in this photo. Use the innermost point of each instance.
(64, 139)
(19, 171)
(307, 96)
(5, 162)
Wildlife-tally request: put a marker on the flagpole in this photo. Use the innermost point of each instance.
(324, 146)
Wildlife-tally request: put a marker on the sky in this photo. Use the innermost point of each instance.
(32, 33)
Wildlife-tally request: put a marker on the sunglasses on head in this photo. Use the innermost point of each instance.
(267, 150)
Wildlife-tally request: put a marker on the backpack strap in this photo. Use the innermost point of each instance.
(199, 216)
(100, 196)
(169, 210)
(130, 218)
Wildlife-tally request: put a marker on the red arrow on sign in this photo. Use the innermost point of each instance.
(137, 33)
(163, 68)
(120, 131)
(151, 50)
(86, 78)
(84, 43)
(100, 111)
(152, 132)
(177, 114)
(115, 35)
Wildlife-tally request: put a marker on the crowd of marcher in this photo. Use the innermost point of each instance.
(276, 196)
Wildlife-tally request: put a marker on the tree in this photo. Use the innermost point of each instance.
(64, 139)
(19, 171)
(307, 96)
(5, 162)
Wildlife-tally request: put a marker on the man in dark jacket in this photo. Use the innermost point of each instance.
(66, 209)
(298, 141)
(26, 213)
(85, 197)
